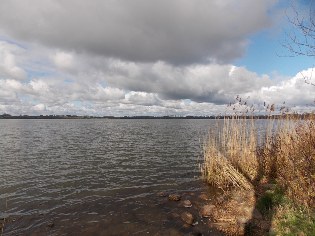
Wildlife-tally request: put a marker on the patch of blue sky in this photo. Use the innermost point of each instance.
(307, 2)
(68, 81)
(38, 73)
(44, 71)
(24, 98)
(187, 101)
(29, 100)
(77, 103)
(103, 83)
(14, 42)
(267, 55)
(39, 69)
(86, 104)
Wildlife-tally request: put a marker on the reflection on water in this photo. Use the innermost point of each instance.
(96, 176)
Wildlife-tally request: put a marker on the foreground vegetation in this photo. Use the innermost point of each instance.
(276, 161)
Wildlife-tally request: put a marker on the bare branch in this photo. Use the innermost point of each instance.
(301, 40)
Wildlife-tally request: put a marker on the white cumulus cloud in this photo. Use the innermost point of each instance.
(8, 64)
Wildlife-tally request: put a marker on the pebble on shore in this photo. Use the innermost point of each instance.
(187, 203)
(188, 218)
(174, 197)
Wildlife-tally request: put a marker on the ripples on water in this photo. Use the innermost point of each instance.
(95, 176)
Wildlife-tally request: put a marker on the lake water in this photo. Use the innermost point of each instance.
(98, 177)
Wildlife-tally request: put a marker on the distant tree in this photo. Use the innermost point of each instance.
(5, 115)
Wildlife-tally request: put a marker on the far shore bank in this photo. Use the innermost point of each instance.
(212, 117)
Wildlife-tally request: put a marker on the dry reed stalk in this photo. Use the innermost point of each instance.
(230, 154)
(218, 171)
(295, 160)
(241, 146)
(266, 151)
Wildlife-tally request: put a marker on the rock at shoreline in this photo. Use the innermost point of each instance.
(188, 218)
(206, 210)
(187, 203)
(174, 197)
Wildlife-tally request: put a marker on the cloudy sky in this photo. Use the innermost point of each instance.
(140, 57)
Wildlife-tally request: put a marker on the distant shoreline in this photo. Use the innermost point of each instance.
(50, 117)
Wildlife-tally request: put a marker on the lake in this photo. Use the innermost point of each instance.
(98, 176)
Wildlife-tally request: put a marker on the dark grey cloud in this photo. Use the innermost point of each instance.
(201, 83)
(176, 31)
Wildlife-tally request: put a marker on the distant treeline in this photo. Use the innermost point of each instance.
(8, 116)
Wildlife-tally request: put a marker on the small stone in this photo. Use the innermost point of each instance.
(187, 218)
(187, 203)
(206, 210)
(195, 223)
(174, 197)
(162, 194)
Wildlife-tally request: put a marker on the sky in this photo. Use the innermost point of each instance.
(157, 57)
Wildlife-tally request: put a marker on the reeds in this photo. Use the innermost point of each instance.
(295, 160)
(235, 155)
(230, 154)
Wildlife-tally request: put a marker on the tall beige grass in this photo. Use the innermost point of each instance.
(235, 155)
(295, 160)
(230, 158)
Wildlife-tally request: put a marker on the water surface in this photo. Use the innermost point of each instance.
(95, 176)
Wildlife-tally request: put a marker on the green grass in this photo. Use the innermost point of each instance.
(291, 221)
(287, 218)
(271, 199)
